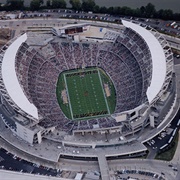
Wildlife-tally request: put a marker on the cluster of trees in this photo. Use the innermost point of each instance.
(56, 4)
(12, 5)
(34, 5)
(148, 11)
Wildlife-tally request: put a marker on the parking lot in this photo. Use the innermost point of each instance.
(163, 139)
(11, 162)
(137, 174)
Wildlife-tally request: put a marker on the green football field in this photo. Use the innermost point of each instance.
(85, 93)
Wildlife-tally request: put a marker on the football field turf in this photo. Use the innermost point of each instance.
(86, 95)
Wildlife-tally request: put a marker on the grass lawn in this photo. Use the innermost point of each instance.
(59, 88)
(85, 93)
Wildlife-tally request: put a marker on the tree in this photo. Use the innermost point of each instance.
(35, 5)
(96, 9)
(58, 4)
(48, 3)
(110, 10)
(88, 5)
(126, 11)
(165, 14)
(150, 10)
(41, 2)
(103, 9)
(117, 10)
(76, 4)
(143, 11)
(15, 4)
(176, 16)
(137, 12)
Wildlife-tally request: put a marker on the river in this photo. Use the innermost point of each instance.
(159, 4)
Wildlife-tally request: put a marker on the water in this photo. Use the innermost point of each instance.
(159, 4)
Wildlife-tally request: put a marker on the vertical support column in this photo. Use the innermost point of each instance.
(151, 121)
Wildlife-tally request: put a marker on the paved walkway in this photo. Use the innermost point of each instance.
(173, 41)
(103, 167)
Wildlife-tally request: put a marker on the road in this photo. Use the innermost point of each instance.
(173, 42)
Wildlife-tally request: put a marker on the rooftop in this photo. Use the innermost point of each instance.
(11, 81)
(158, 59)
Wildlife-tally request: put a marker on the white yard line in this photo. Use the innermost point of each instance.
(103, 92)
(68, 98)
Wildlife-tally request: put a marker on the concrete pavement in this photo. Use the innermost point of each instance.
(146, 165)
(8, 175)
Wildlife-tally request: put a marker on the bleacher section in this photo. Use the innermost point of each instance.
(127, 61)
(9, 122)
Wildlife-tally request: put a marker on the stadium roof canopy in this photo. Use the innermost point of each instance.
(158, 59)
(11, 81)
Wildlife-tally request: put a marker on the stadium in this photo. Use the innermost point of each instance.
(86, 82)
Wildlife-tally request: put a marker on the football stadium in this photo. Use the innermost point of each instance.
(88, 85)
